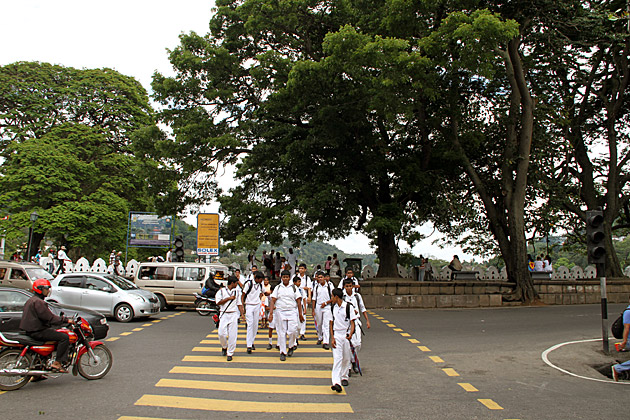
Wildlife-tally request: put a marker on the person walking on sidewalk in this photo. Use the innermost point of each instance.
(322, 300)
(229, 302)
(284, 311)
(341, 330)
(350, 295)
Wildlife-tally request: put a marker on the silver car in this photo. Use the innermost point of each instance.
(108, 294)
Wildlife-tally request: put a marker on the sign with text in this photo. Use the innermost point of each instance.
(147, 229)
(208, 234)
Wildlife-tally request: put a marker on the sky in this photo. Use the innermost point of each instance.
(131, 37)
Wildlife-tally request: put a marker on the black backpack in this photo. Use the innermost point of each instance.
(617, 327)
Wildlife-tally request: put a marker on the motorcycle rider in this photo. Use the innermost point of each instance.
(37, 320)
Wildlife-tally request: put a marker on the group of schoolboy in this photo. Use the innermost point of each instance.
(336, 312)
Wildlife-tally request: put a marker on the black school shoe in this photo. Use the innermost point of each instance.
(229, 359)
(253, 347)
(344, 382)
(302, 337)
(249, 350)
(283, 357)
(269, 347)
(355, 368)
(223, 352)
(319, 342)
(290, 352)
(336, 387)
(325, 347)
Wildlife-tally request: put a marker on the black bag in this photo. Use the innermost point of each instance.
(617, 327)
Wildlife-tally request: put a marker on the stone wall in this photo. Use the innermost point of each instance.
(391, 293)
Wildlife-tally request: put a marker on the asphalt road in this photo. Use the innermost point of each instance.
(417, 364)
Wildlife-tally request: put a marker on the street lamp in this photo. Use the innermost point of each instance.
(33, 218)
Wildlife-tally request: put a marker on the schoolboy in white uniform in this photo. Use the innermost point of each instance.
(285, 309)
(350, 276)
(307, 287)
(341, 331)
(350, 295)
(251, 298)
(322, 300)
(229, 302)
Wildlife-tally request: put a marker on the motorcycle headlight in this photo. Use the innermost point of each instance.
(104, 321)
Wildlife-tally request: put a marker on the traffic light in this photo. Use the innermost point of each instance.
(179, 249)
(595, 237)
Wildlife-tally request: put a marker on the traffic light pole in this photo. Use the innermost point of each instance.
(602, 286)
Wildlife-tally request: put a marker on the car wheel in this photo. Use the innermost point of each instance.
(162, 303)
(123, 313)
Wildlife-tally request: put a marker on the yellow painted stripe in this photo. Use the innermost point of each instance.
(391, 325)
(490, 404)
(260, 342)
(468, 387)
(126, 333)
(142, 418)
(424, 348)
(155, 321)
(249, 387)
(413, 340)
(137, 329)
(2, 392)
(450, 372)
(147, 325)
(300, 350)
(112, 339)
(436, 359)
(405, 334)
(271, 373)
(242, 406)
(296, 360)
(243, 335)
(384, 321)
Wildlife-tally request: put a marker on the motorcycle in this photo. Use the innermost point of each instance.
(23, 358)
(205, 305)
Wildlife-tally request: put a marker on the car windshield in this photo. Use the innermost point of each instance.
(38, 273)
(121, 282)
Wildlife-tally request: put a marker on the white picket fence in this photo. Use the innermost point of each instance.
(98, 266)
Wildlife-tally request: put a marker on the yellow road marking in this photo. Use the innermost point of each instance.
(147, 325)
(450, 372)
(126, 333)
(436, 359)
(391, 325)
(242, 406)
(275, 359)
(2, 392)
(300, 350)
(155, 321)
(385, 321)
(141, 418)
(259, 342)
(424, 348)
(137, 329)
(405, 334)
(490, 404)
(112, 339)
(413, 340)
(398, 329)
(249, 387)
(276, 373)
(468, 387)
(243, 335)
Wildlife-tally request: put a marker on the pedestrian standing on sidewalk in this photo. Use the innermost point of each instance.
(292, 260)
(322, 301)
(341, 331)
(253, 291)
(286, 311)
(229, 302)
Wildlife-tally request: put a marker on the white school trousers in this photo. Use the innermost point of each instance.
(341, 358)
(252, 316)
(286, 325)
(228, 331)
(323, 316)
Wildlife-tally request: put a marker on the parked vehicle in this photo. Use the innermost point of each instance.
(12, 302)
(107, 294)
(21, 275)
(175, 283)
(22, 357)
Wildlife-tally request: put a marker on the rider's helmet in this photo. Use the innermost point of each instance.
(39, 285)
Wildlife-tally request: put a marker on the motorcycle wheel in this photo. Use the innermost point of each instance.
(204, 308)
(8, 360)
(96, 370)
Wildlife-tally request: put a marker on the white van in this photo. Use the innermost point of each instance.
(21, 275)
(175, 283)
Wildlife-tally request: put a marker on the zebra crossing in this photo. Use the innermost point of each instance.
(206, 382)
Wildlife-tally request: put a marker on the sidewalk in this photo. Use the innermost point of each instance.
(586, 358)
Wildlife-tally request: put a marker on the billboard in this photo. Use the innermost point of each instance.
(207, 234)
(147, 229)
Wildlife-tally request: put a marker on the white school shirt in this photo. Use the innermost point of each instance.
(253, 291)
(356, 300)
(307, 282)
(340, 323)
(538, 265)
(355, 282)
(286, 297)
(223, 293)
(321, 295)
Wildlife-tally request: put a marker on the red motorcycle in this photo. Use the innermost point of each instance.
(22, 358)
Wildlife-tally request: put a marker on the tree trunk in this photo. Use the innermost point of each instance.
(517, 271)
(613, 265)
(387, 252)
(36, 239)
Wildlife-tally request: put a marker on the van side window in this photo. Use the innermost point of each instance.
(190, 273)
(3, 271)
(18, 274)
(164, 273)
(147, 273)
